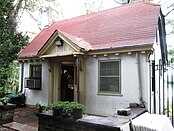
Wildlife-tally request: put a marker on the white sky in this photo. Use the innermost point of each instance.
(73, 8)
(69, 8)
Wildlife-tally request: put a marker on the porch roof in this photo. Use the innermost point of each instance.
(125, 26)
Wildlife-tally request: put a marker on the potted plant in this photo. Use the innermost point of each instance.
(66, 109)
(77, 110)
(40, 107)
(56, 108)
(6, 111)
(4, 100)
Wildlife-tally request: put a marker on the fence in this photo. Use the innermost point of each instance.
(162, 89)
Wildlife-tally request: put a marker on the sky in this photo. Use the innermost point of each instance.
(76, 9)
(69, 9)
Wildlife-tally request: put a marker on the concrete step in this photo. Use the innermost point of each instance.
(19, 127)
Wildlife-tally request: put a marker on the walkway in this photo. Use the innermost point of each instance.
(24, 119)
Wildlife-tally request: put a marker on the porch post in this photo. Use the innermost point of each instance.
(51, 82)
(76, 80)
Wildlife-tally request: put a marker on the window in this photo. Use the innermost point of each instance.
(34, 81)
(109, 76)
(36, 71)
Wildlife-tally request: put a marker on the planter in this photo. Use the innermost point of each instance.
(19, 100)
(57, 112)
(77, 113)
(67, 116)
(40, 110)
(67, 109)
(6, 113)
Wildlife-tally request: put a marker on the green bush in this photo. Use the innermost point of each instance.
(66, 106)
(76, 105)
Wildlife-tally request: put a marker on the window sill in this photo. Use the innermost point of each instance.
(109, 94)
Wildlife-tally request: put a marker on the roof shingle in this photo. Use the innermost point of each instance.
(127, 25)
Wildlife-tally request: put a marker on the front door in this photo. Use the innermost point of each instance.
(67, 82)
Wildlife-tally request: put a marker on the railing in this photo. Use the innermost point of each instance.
(162, 89)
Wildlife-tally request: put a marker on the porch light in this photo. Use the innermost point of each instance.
(59, 43)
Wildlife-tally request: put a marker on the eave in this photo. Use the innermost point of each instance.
(135, 48)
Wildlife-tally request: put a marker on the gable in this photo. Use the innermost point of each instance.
(59, 45)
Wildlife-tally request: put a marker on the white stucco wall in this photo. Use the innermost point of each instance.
(105, 104)
(33, 96)
(145, 76)
(101, 104)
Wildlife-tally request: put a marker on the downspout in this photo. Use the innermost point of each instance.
(139, 78)
(22, 75)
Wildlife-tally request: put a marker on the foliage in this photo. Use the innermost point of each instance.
(49, 10)
(54, 105)
(76, 105)
(66, 106)
(4, 100)
(66, 109)
(40, 105)
(171, 55)
(92, 6)
(11, 41)
(13, 77)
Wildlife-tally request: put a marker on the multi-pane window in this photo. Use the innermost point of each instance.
(109, 76)
(36, 71)
(34, 81)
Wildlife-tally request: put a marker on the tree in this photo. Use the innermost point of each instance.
(121, 2)
(43, 12)
(11, 41)
(92, 6)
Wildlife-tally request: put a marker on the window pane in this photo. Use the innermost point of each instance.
(109, 68)
(109, 79)
(117, 69)
(109, 84)
(36, 70)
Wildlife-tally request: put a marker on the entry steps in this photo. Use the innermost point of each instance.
(19, 127)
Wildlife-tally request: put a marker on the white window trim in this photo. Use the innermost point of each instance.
(109, 93)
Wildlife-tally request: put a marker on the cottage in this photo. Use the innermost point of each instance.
(101, 59)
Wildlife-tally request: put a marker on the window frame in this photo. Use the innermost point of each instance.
(37, 79)
(31, 72)
(99, 78)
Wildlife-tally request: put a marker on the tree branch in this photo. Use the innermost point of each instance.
(169, 12)
(35, 20)
(118, 2)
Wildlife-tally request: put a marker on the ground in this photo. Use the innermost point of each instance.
(26, 116)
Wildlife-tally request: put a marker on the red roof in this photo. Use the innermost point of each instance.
(127, 25)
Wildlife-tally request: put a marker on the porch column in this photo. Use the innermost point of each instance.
(80, 80)
(76, 80)
(51, 82)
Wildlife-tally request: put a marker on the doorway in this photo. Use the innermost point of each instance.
(67, 82)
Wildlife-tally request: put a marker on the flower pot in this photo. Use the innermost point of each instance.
(57, 112)
(77, 113)
(67, 116)
(4, 103)
(40, 110)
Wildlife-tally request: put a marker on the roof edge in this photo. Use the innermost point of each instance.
(124, 49)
